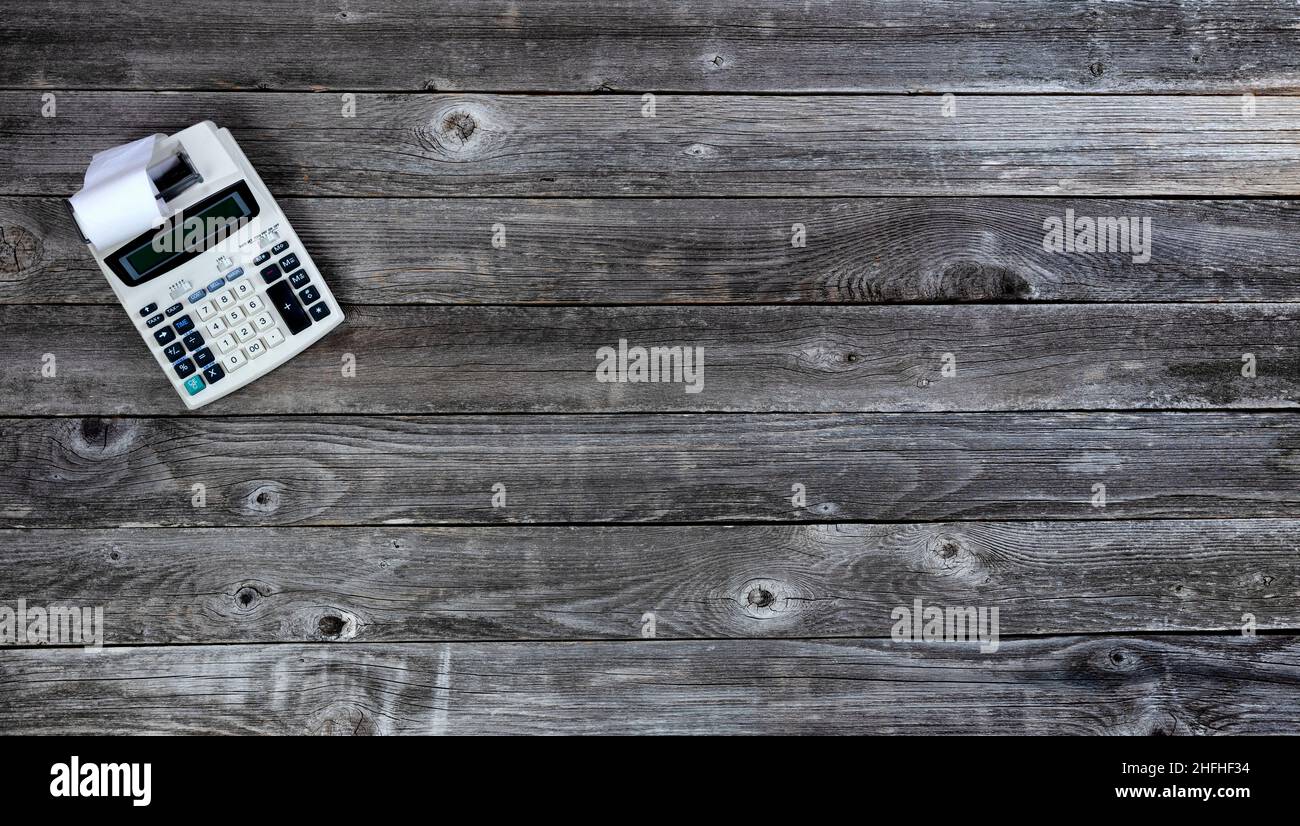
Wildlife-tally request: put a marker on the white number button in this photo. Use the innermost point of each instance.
(264, 321)
(206, 310)
(226, 343)
(273, 338)
(255, 349)
(245, 331)
(226, 299)
(233, 361)
(233, 316)
(243, 289)
(215, 327)
(253, 305)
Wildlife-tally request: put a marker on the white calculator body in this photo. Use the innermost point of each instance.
(244, 300)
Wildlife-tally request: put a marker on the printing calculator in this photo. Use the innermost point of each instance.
(224, 291)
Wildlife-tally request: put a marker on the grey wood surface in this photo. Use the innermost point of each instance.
(402, 584)
(347, 573)
(350, 470)
(602, 145)
(721, 250)
(1059, 685)
(722, 45)
(755, 359)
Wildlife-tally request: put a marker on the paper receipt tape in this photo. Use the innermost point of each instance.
(126, 189)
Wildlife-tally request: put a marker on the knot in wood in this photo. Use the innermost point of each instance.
(948, 554)
(98, 437)
(973, 281)
(248, 595)
(20, 249)
(264, 498)
(336, 624)
(345, 718)
(456, 130)
(461, 126)
(1117, 659)
(764, 598)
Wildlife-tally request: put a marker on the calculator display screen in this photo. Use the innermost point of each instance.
(209, 222)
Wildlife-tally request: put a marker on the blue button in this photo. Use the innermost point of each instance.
(197, 294)
(216, 285)
(194, 384)
(237, 272)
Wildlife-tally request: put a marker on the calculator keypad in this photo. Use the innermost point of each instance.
(236, 322)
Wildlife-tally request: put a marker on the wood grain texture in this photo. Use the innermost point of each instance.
(560, 145)
(722, 45)
(321, 554)
(647, 251)
(417, 360)
(1060, 685)
(396, 584)
(679, 468)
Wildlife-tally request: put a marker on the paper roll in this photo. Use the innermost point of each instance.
(118, 200)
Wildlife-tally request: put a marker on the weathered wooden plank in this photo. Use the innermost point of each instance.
(560, 145)
(1060, 685)
(722, 45)
(915, 467)
(397, 584)
(416, 360)
(639, 251)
